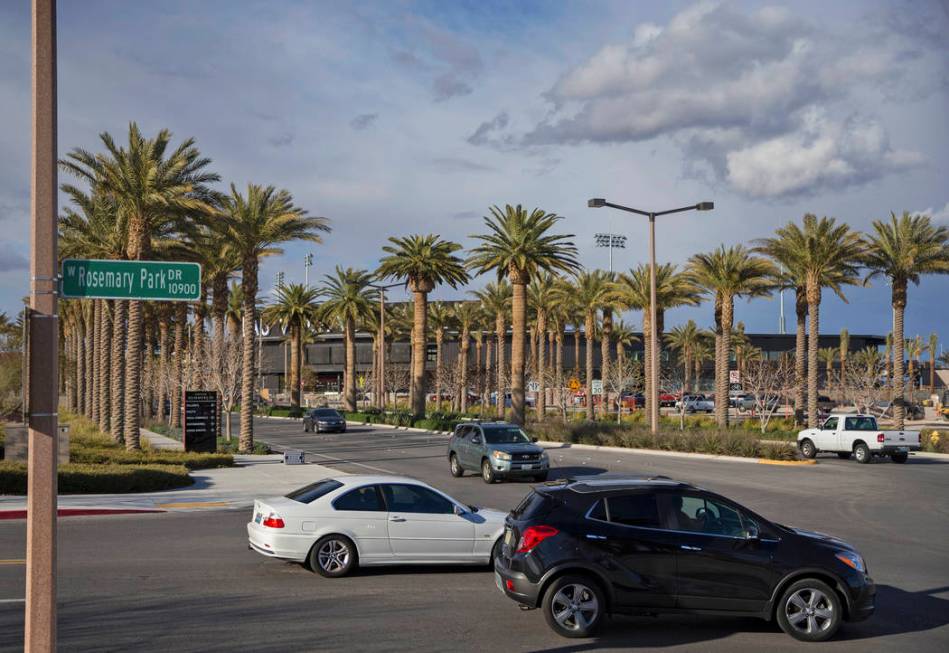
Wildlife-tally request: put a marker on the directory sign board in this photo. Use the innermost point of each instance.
(200, 420)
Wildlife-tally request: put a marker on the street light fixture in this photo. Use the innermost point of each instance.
(599, 202)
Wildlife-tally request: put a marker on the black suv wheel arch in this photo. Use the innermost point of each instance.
(579, 569)
(800, 574)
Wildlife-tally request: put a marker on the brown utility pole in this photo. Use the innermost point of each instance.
(40, 626)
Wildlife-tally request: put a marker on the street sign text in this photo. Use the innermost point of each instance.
(149, 280)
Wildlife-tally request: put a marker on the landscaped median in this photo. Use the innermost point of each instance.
(700, 435)
(100, 466)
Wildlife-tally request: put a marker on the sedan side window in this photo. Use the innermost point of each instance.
(415, 498)
(363, 499)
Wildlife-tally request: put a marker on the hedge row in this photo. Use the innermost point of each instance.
(435, 421)
(190, 460)
(100, 479)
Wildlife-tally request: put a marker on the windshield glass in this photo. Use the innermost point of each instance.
(325, 412)
(506, 435)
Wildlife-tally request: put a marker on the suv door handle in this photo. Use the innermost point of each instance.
(590, 536)
(396, 518)
(686, 547)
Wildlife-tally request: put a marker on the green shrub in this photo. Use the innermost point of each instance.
(100, 479)
(191, 460)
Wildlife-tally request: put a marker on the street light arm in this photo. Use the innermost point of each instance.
(694, 207)
(627, 208)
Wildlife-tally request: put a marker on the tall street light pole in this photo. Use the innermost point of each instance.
(307, 264)
(381, 354)
(43, 343)
(596, 203)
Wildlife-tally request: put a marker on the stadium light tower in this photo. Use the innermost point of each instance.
(610, 241)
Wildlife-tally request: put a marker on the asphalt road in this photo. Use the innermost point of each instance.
(187, 581)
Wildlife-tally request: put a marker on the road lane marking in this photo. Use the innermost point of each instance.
(13, 561)
(12, 600)
(195, 504)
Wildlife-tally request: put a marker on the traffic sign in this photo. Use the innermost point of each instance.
(200, 420)
(169, 281)
(574, 384)
(597, 387)
(734, 376)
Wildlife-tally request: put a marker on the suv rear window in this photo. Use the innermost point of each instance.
(313, 491)
(531, 505)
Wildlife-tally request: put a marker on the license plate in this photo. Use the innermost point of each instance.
(509, 537)
(902, 449)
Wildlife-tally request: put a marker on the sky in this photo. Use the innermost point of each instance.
(402, 117)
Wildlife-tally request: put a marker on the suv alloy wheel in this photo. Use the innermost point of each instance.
(574, 606)
(486, 472)
(810, 611)
(455, 466)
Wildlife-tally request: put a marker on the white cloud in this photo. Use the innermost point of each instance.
(756, 97)
(938, 215)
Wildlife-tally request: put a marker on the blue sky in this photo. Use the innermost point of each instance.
(413, 117)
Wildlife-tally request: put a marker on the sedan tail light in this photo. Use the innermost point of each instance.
(273, 520)
(534, 535)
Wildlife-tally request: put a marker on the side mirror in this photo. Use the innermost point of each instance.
(751, 533)
(534, 439)
(458, 510)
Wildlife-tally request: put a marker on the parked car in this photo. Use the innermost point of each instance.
(496, 450)
(667, 399)
(856, 434)
(633, 400)
(748, 403)
(323, 420)
(696, 404)
(583, 548)
(337, 524)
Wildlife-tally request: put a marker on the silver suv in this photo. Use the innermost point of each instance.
(496, 450)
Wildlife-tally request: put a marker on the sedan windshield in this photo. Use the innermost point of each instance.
(325, 412)
(508, 435)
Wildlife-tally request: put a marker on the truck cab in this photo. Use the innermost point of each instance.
(859, 435)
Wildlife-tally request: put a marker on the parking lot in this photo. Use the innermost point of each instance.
(188, 582)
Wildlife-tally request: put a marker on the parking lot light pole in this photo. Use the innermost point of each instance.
(599, 202)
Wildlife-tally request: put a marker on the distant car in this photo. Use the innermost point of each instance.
(496, 450)
(324, 420)
(696, 404)
(337, 524)
(667, 399)
(860, 435)
(633, 400)
(748, 402)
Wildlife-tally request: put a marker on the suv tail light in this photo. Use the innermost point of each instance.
(273, 520)
(880, 437)
(534, 535)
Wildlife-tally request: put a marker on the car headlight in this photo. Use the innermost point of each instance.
(852, 560)
(501, 455)
(544, 456)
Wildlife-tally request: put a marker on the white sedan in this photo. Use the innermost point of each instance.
(338, 523)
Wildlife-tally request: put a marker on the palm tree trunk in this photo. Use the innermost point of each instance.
(558, 339)
(419, 332)
(118, 366)
(899, 308)
(488, 368)
(605, 337)
(721, 386)
(439, 341)
(576, 350)
(294, 376)
(813, 309)
(800, 346)
(541, 366)
(932, 372)
(349, 378)
(96, 352)
(178, 361)
(588, 329)
(80, 363)
(105, 368)
(500, 396)
(248, 367)
(219, 293)
(686, 370)
(133, 376)
(147, 373)
(162, 369)
(518, 334)
(198, 371)
(479, 350)
(463, 371)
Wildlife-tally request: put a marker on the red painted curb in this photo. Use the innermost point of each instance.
(77, 512)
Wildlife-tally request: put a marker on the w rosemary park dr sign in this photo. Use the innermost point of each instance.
(155, 280)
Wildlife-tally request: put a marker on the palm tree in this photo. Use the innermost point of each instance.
(466, 317)
(256, 224)
(150, 188)
(673, 288)
(822, 254)
(593, 289)
(931, 348)
(423, 262)
(685, 339)
(727, 274)
(915, 348)
(518, 246)
(828, 356)
(541, 295)
(702, 352)
(349, 299)
(295, 310)
(903, 250)
(495, 300)
(440, 319)
(888, 363)
(624, 337)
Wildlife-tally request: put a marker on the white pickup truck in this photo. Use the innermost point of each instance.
(852, 433)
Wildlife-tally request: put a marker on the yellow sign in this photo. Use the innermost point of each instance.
(574, 384)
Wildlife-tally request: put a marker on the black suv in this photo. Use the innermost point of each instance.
(582, 548)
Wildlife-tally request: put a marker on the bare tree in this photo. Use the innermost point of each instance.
(224, 376)
(862, 378)
(769, 383)
(622, 376)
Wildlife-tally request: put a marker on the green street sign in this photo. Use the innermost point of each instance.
(167, 281)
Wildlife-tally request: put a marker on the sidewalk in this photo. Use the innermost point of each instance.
(213, 489)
